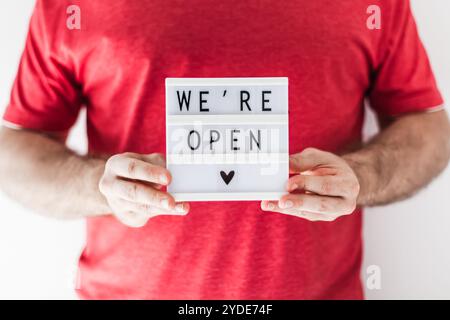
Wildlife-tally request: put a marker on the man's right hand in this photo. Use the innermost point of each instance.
(132, 183)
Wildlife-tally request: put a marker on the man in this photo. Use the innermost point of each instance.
(305, 246)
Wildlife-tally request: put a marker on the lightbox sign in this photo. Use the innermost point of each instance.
(227, 138)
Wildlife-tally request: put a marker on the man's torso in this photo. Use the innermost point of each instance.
(121, 56)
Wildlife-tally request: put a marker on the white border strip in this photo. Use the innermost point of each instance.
(228, 158)
(269, 81)
(281, 119)
(435, 109)
(11, 125)
(228, 196)
(427, 110)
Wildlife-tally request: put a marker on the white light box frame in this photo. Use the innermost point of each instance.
(227, 138)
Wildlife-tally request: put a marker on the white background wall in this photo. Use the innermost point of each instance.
(408, 241)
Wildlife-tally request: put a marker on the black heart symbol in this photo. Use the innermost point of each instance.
(227, 177)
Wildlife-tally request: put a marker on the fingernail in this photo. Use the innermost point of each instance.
(163, 179)
(180, 208)
(293, 187)
(165, 203)
(286, 204)
(270, 206)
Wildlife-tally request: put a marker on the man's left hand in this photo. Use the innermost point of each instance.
(324, 188)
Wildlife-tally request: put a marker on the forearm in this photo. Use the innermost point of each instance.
(42, 174)
(404, 157)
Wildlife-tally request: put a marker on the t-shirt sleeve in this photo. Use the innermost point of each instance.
(403, 81)
(45, 95)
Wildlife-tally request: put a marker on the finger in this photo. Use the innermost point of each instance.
(157, 159)
(316, 217)
(132, 219)
(322, 185)
(316, 204)
(272, 206)
(136, 169)
(181, 208)
(140, 193)
(267, 205)
(309, 159)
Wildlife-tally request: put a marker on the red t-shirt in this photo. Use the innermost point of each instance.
(115, 66)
